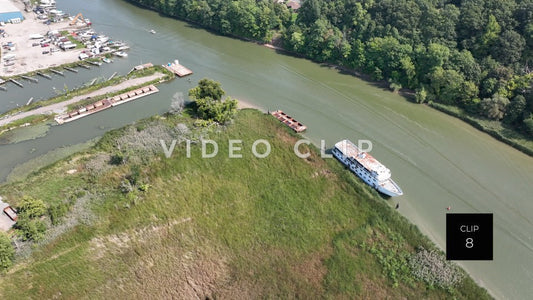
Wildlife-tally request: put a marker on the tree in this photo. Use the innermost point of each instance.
(509, 47)
(528, 124)
(31, 207)
(207, 88)
(421, 95)
(515, 111)
(447, 85)
(7, 252)
(30, 229)
(495, 107)
(209, 103)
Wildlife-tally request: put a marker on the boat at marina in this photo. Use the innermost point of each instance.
(121, 54)
(366, 167)
(107, 60)
(152, 31)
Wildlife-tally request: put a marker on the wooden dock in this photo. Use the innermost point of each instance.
(44, 75)
(71, 70)
(179, 70)
(16, 82)
(57, 72)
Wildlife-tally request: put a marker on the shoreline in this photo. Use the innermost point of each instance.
(468, 119)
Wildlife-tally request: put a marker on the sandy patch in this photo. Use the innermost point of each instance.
(245, 104)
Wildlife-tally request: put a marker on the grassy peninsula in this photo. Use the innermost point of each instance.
(124, 221)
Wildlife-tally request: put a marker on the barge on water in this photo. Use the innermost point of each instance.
(289, 121)
(106, 103)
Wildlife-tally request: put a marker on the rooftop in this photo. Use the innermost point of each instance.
(7, 6)
(364, 158)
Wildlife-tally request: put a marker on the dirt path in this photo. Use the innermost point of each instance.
(61, 106)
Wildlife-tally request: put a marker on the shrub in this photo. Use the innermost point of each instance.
(31, 207)
(57, 212)
(116, 159)
(30, 229)
(7, 252)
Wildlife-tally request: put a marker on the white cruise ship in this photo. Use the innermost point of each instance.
(366, 167)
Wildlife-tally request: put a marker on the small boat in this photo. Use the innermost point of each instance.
(107, 60)
(121, 54)
(152, 31)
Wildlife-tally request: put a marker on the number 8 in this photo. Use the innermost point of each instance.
(469, 243)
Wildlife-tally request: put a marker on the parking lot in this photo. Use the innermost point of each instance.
(27, 53)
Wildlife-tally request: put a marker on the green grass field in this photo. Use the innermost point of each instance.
(277, 227)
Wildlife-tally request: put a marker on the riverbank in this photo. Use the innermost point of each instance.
(495, 129)
(192, 227)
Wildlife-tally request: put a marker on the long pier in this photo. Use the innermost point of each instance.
(44, 75)
(111, 77)
(71, 69)
(30, 78)
(16, 82)
(57, 72)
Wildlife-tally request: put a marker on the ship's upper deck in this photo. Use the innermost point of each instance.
(366, 160)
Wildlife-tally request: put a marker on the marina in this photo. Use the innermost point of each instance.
(105, 104)
(289, 121)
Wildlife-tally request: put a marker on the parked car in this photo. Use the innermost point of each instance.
(46, 52)
(35, 44)
(45, 45)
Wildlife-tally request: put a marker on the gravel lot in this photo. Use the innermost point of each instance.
(30, 58)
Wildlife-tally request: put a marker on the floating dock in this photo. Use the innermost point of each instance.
(44, 75)
(30, 78)
(16, 82)
(57, 72)
(178, 69)
(71, 69)
(106, 103)
(289, 121)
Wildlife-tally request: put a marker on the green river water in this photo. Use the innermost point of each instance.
(438, 160)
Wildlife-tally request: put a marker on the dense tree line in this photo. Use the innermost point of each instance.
(474, 54)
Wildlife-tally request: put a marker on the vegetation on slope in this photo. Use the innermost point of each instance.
(473, 54)
(131, 223)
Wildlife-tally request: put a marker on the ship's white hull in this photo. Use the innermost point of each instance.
(387, 187)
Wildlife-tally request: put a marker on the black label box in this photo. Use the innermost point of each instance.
(469, 236)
